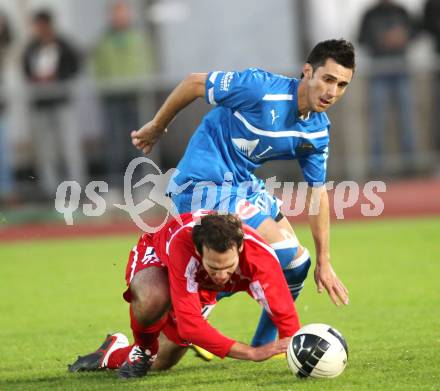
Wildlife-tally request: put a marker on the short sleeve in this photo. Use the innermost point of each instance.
(314, 167)
(236, 90)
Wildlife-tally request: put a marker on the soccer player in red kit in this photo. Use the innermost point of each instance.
(173, 277)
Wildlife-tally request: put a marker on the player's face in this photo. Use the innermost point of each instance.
(220, 266)
(326, 84)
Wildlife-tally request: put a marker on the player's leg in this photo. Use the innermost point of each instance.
(149, 295)
(99, 359)
(170, 353)
(295, 262)
(296, 269)
(149, 305)
(149, 298)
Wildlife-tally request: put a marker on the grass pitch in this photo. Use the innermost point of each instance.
(60, 298)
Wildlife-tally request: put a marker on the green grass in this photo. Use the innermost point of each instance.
(59, 299)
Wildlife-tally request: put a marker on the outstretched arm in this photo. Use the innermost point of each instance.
(242, 351)
(325, 277)
(191, 88)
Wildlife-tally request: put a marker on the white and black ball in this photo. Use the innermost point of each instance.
(317, 350)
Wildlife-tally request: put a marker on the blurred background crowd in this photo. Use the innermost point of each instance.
(77, 76)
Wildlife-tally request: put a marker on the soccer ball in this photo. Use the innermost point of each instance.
(317, 350)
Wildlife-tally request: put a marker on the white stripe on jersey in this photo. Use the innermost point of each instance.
(135, 260)
(211, 98)
(213, 76)
(262, 244)
(281, 133)
(167, 246)
(278, 97)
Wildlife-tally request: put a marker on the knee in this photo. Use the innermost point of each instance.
(150, 301)
(301, 260)
(286, 250)
(149, 307)
(296, 271)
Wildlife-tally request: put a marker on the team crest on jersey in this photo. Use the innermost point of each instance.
(305, 148)
(246, 210)
(246, 146)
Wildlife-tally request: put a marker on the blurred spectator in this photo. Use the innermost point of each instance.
(6, 176)
(124, 55)
(49, 60)
(431, 23)
(386, 31)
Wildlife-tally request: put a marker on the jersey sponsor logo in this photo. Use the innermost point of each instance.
(246, 146)
(259, 295)
(246, 210)
(305, 148)
(274, 116)
(280, 133)
(264, 152)
(190, 273)
(225, 82)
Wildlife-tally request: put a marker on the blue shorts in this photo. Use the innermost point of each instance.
(253, 205)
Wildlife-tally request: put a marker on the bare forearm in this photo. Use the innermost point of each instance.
(320, 224)
(191, 88)
(242, 351)
(325, 276)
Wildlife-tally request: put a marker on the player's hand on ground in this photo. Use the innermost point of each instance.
(145, 138)
(326, 278)
(271, 349)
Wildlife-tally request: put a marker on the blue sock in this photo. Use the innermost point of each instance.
(266, 331)
(296, 273)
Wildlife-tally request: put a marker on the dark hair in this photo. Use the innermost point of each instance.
(339, 50)
(218, 232)
(44, 16)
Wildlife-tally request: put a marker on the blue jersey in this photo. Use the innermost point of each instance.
(255, 120)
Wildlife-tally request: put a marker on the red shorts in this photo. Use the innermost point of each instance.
(143, 256)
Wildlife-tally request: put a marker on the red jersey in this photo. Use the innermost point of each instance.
(259, 273)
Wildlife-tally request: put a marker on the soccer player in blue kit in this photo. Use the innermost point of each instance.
(260, 116)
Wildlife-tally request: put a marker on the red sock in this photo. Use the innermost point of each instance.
(118, 357)
(147, 337)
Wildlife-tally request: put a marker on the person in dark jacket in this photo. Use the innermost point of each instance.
(386, 31)
(7, 188)
(50, 62)
(431, 23)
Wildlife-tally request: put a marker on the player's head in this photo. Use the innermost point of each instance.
(219, 240)
(42, 22)
(327, 73)
(120, 15)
